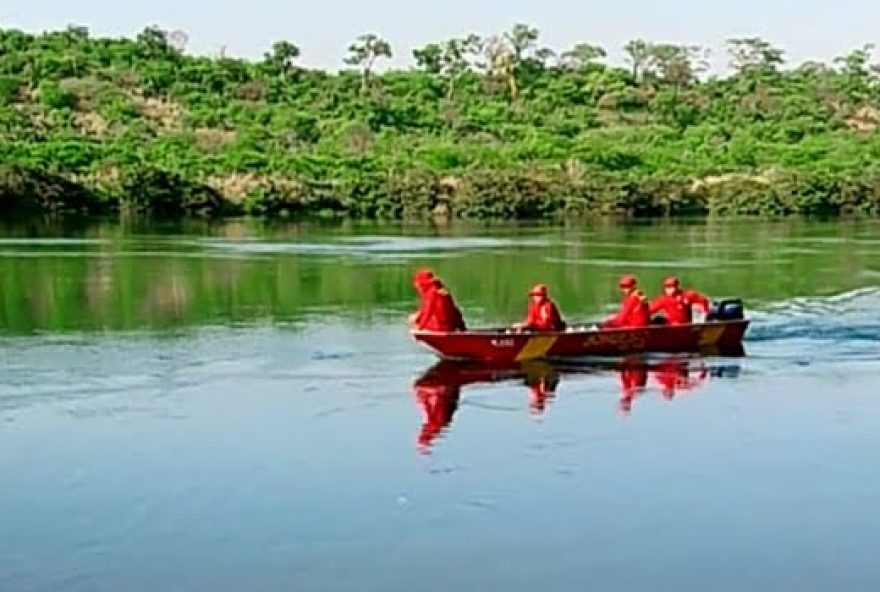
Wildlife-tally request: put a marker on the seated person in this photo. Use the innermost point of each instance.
(634, 311)
(543, 314)
(423, 281)
(439, 311)
(676, 305)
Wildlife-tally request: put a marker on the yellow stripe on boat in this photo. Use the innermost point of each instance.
(536, 347)
(709, 336)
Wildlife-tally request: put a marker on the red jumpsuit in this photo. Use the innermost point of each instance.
(544, 316)
(634, 312)
(439, 311)
(424, 303)
(678, 308)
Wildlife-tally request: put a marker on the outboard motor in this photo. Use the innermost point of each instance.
(731, 309)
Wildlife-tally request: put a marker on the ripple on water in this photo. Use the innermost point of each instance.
(841, 328)
(371, 246)
(620, 263)
(53, 242)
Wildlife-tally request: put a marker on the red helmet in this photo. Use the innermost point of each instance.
(671, 282)
(423, 277)
(538, 290)
(628, 281)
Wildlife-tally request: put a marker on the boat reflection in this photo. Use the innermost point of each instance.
(438, 390)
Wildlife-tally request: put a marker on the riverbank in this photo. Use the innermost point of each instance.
(483, 127)
(477, 195)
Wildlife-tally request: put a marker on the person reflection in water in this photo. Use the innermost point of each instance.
(674, 376)
(438, 395)
(438, 391)
(633, 374)
(542, 380)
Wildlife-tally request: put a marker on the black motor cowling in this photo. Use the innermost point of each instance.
(731, 309)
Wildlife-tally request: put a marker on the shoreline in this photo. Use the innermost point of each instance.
(482, 195)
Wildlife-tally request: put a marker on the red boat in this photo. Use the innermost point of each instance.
(506, 346)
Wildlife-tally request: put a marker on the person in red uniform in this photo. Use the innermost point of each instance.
(439, 311)
(634, 309)
(423, 280)
(677, 305)
(543, 314)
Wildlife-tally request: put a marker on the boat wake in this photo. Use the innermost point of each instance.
(840, 327)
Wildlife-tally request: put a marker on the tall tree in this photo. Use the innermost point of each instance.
(76, 33)
(364, 53)
(501, 62)
(177, 40)
(857, 62)
(521, 38)
(429, 58)
(678, 65)
(282, 56)
(154, 42)
(753, 54)
(858, 77)
(638, 53)
(580, 56)
(449, 60)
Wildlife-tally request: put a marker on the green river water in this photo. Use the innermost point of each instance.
(238, 406)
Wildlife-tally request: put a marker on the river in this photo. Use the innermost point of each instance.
(238, 406)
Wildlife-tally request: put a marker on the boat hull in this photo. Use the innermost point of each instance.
(501, 346)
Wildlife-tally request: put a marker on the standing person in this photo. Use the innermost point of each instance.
(439, 312)
(543, 314)
(634, 309)
(677, 305)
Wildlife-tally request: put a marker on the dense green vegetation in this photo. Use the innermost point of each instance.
(482, 127)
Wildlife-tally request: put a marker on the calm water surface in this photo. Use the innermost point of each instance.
(238, 407)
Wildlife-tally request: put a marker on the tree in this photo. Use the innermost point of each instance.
(429, 58)
(677, 65)
(856, 63)
(509, 55)
(177, 40)
(282, 56)
(449, 60)
(858, 78)
(521, 39)
(638, 54)
(543, 55)
(753, 54)
(580, 56)
(365, 51)
(154, 42)
(501, 62)
(76, 33)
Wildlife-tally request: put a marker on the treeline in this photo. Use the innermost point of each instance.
(497, 126)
